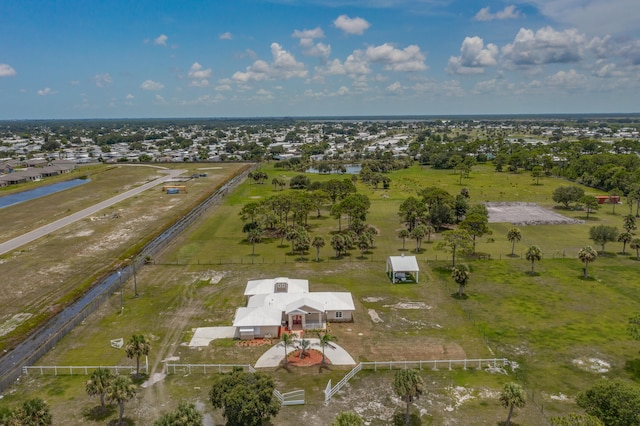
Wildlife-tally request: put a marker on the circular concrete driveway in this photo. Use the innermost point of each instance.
(336, 354)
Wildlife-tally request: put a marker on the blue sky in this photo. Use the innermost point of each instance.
(254, 58)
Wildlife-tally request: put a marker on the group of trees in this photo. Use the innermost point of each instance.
(603, 234)
(436, 208)
(118, 389)
(285, 216)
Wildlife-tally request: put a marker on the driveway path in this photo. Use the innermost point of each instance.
(336, 354)
(60, 223)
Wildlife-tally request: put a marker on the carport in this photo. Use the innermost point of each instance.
(399, 266)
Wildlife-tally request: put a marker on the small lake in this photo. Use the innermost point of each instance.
(352, 169)
(20, 197)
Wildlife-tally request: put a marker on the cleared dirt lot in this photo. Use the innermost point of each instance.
(526, 214)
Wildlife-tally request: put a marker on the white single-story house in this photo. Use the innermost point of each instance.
(285, 302)
(276, 285)
(399, 266)
(309, 310)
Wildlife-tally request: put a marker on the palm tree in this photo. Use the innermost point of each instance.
(418, 234)
(408, 385)
(630, 223)
(325, 339)
(587, 255)
(286, 341)
(254, 236)
(635, 245)
(363, 244)
(34, 412)
(318, 242)
(460, 275)
(404, 234)
(99, 382)
(514, 236)
(532, 255)
(137, 346)
(512, 396)
(625, 238)
(304, 345)
(429, 230)
(120, 391)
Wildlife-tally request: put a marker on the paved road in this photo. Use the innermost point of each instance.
(60, 223)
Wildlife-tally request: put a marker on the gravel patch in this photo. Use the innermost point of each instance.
(408, 305)
(526, 214)
(374, 316)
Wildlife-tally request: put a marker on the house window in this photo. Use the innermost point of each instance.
(338, 314)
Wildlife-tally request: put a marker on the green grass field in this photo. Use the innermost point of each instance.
(556, 325)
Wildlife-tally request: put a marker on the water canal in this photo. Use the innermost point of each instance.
(20, 197)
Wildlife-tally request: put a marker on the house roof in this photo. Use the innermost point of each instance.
(258, 316)
(304, 305)
(321, 301)
(267, 286)
(403, 263)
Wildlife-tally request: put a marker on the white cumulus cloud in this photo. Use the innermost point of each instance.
(306, 34)
(226, 36)
(161, 40)
(593, 17)
(408, 59)
(545, 46)
(284, 66)
(198, 75)
(310, 48)
(102, 80)
(509, 12)
(474, 57)
(151, 85)
(46, 92)
(7, 70)
(351, 25)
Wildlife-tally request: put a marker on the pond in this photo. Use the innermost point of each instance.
(351, 169)
(32, 194)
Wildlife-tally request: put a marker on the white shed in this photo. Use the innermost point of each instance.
(399, 266)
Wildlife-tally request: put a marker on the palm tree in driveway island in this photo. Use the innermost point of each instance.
(325, 340)
(286, 341)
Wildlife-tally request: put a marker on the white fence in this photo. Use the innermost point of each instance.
(295, 397)
(70, 370)
(205, 368)
(330, 391)
(403, 365)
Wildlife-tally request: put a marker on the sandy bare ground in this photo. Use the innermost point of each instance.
(526, 214)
